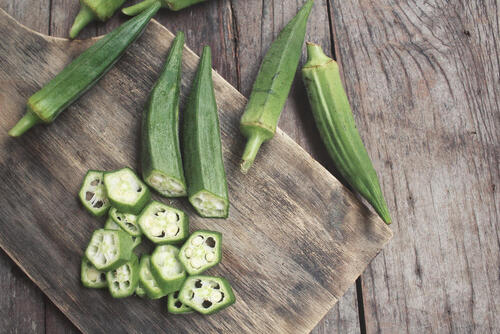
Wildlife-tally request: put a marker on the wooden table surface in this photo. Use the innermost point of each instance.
(423, 80)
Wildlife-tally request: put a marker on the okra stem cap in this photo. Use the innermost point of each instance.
(84, 17)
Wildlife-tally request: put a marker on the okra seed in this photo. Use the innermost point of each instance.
(216, 296)
(126, 283)
(188, 252)
(210, 257)
(210, 242)
(196, 263)
(94, 182)
(198, 284)
(206, 303)
(197, 241)
(191, 294)
(178, 304)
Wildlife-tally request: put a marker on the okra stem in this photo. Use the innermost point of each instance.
(251, 149)
(138, 8)
(24, 124)
(84, 17)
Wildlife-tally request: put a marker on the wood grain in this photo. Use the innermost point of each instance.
(291, 248)
(423, 80)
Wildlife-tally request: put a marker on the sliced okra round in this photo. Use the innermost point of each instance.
(166, 268)
(127, 221)
(201, 251)
(123, 280)
(206, 294)
(92, 193)
(139, 291)
(148, 281)
(109, 249)
(126, 192)
(111, 225)
(163, 224)
(175, 306)
(91, 277)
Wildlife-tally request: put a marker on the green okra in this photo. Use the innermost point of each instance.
(83, 72)
(110, 224)
(91, 10)
(126, 192)
(161, 155)
(173, 5)
(148, 282)
(92, 193)
(163, 224)
(337, 128)
(127, 222)
(166, 268)
(203, 164)
(201, 251)
(272, 86)
(139, 291)
(123, 281)
(91, 277)
(206, 294)
(109, 249)
(175, 306)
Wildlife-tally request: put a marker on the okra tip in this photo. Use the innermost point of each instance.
(84, 17)
(24, 124)
(251, 149)
(138, 8)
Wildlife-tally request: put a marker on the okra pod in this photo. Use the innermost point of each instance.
(91, 10)
(337, 128)
(161, 153)
(148, 282)
(123, 280)
(127, 222)
(203, 164)
(91, 277)
(272, 86)
(163, 224)
(175, 306)
(92, 193)
(201, 251)
(76, 78)
(110, 224)
(109, 249)
(206, 294)
(166, 268)
(174, 5)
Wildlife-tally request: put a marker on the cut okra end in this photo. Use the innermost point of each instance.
(112, 225)
(166, 268)
(201, 251)
(165, 185)
(109, 249)
(139, 291)
(206, 294)
(91, 277)
(93, 194)
(148, 281)
(126, 192)
(163, 224)
(175, 306)
(123, 281)
(127, 221)
(209, 205)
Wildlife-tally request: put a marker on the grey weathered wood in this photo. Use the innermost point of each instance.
(422, 77)
(291, 248)
(21, 302)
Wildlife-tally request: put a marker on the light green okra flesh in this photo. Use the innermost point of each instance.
(203, 163)
(337, 128)
(161, 156)
(272, 86)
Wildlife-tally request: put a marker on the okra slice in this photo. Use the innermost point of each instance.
(166, 268)
(92, 193)
(163, 224)
(123, 280)
(127, 221)
(147, 280)
(91, 277)
(139, 291)
(175, 306)
(206, 294)
(109, 249)
(126, 192)
(111, 225)
(201, 251)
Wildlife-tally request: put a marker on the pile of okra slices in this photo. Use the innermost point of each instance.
(176, 273)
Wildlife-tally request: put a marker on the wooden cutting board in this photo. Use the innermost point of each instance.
(295, 239)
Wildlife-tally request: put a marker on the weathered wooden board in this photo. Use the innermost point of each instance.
(295, 239)
(423, 78)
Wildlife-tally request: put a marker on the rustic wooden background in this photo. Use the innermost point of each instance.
(423, 78)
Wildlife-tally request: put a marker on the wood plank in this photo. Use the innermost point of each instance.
(314, 237)
(22, 306)
(423, 81)
(257, 23)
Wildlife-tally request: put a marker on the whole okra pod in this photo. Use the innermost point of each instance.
(91, 10)
(337, 128)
